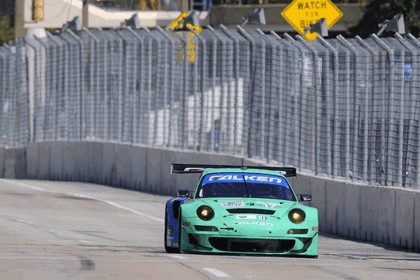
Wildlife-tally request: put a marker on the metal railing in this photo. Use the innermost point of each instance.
(346, 108)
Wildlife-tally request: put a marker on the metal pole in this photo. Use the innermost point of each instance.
(357, 117)
(250, 148)
(19, 19)
(85, 13)
(390, 171)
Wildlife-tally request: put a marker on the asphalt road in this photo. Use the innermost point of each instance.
(68, 230)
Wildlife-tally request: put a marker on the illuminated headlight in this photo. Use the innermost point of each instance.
(296, 216)
(205, 213)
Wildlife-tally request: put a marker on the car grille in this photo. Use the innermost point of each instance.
(251, 245)
(250, 211)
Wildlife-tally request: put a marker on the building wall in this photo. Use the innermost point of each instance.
(58, 12)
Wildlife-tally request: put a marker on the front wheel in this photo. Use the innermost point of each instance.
(168, 249)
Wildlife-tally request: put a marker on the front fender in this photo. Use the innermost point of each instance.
(173, 207)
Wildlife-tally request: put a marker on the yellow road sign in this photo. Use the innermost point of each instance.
(301, 13)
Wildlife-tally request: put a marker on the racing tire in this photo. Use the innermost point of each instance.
(168, 249)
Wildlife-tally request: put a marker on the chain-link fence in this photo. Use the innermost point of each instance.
(14, 106)
(347, 108)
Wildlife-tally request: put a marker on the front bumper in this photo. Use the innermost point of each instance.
(251, 238)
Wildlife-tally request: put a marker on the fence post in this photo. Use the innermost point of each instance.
(202, 133)
(356, 55)
(137, 114)
(250, 146)
(390, 113)
(413, 99)
(317, 92)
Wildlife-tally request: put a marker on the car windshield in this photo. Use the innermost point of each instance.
(245, 185)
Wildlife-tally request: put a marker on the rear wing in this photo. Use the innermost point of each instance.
(180, 168)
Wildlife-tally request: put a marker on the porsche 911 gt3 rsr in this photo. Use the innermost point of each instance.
(241, 210)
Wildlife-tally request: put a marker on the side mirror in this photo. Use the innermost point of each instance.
(305, 197)
(183, 193)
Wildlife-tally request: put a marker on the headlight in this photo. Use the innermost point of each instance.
(205, 213)
(296, 216)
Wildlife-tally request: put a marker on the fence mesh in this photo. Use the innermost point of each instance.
(347, 108)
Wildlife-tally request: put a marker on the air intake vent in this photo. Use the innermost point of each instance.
(251, 245)
(250, 211)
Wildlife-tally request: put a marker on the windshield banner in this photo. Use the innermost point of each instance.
(248, 178)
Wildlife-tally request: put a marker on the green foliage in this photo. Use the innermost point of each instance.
(377, 11)
(6, 29)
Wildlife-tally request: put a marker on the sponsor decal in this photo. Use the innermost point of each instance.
(268, 205)
(248, 178)
(256, 223)
(246, 217)
(232, 204)
(262, 218)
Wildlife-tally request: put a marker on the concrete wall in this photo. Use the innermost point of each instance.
(379, 214)
(116, 165)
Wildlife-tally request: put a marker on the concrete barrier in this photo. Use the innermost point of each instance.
(154, 180)
(352, 202)
(416, 239)
(57, 160)
(404, 218)
(380, 214)
(1, 162)
(108, 163)
(123, 166)
(14, 163)
(138, 174)
(31, 158)
(41, 157)
(386, 215)
(334, 207)
(69, 161)
(95, 156)
(369, 213)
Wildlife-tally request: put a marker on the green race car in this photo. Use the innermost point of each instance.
(241, 210)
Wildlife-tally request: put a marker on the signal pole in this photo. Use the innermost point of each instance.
(19, 20)
(85, 13)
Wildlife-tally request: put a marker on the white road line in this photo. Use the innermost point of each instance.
(178, 257)
(216, 272)
(118, 206)
(132, 210)
(25, 185)
(111, 203)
